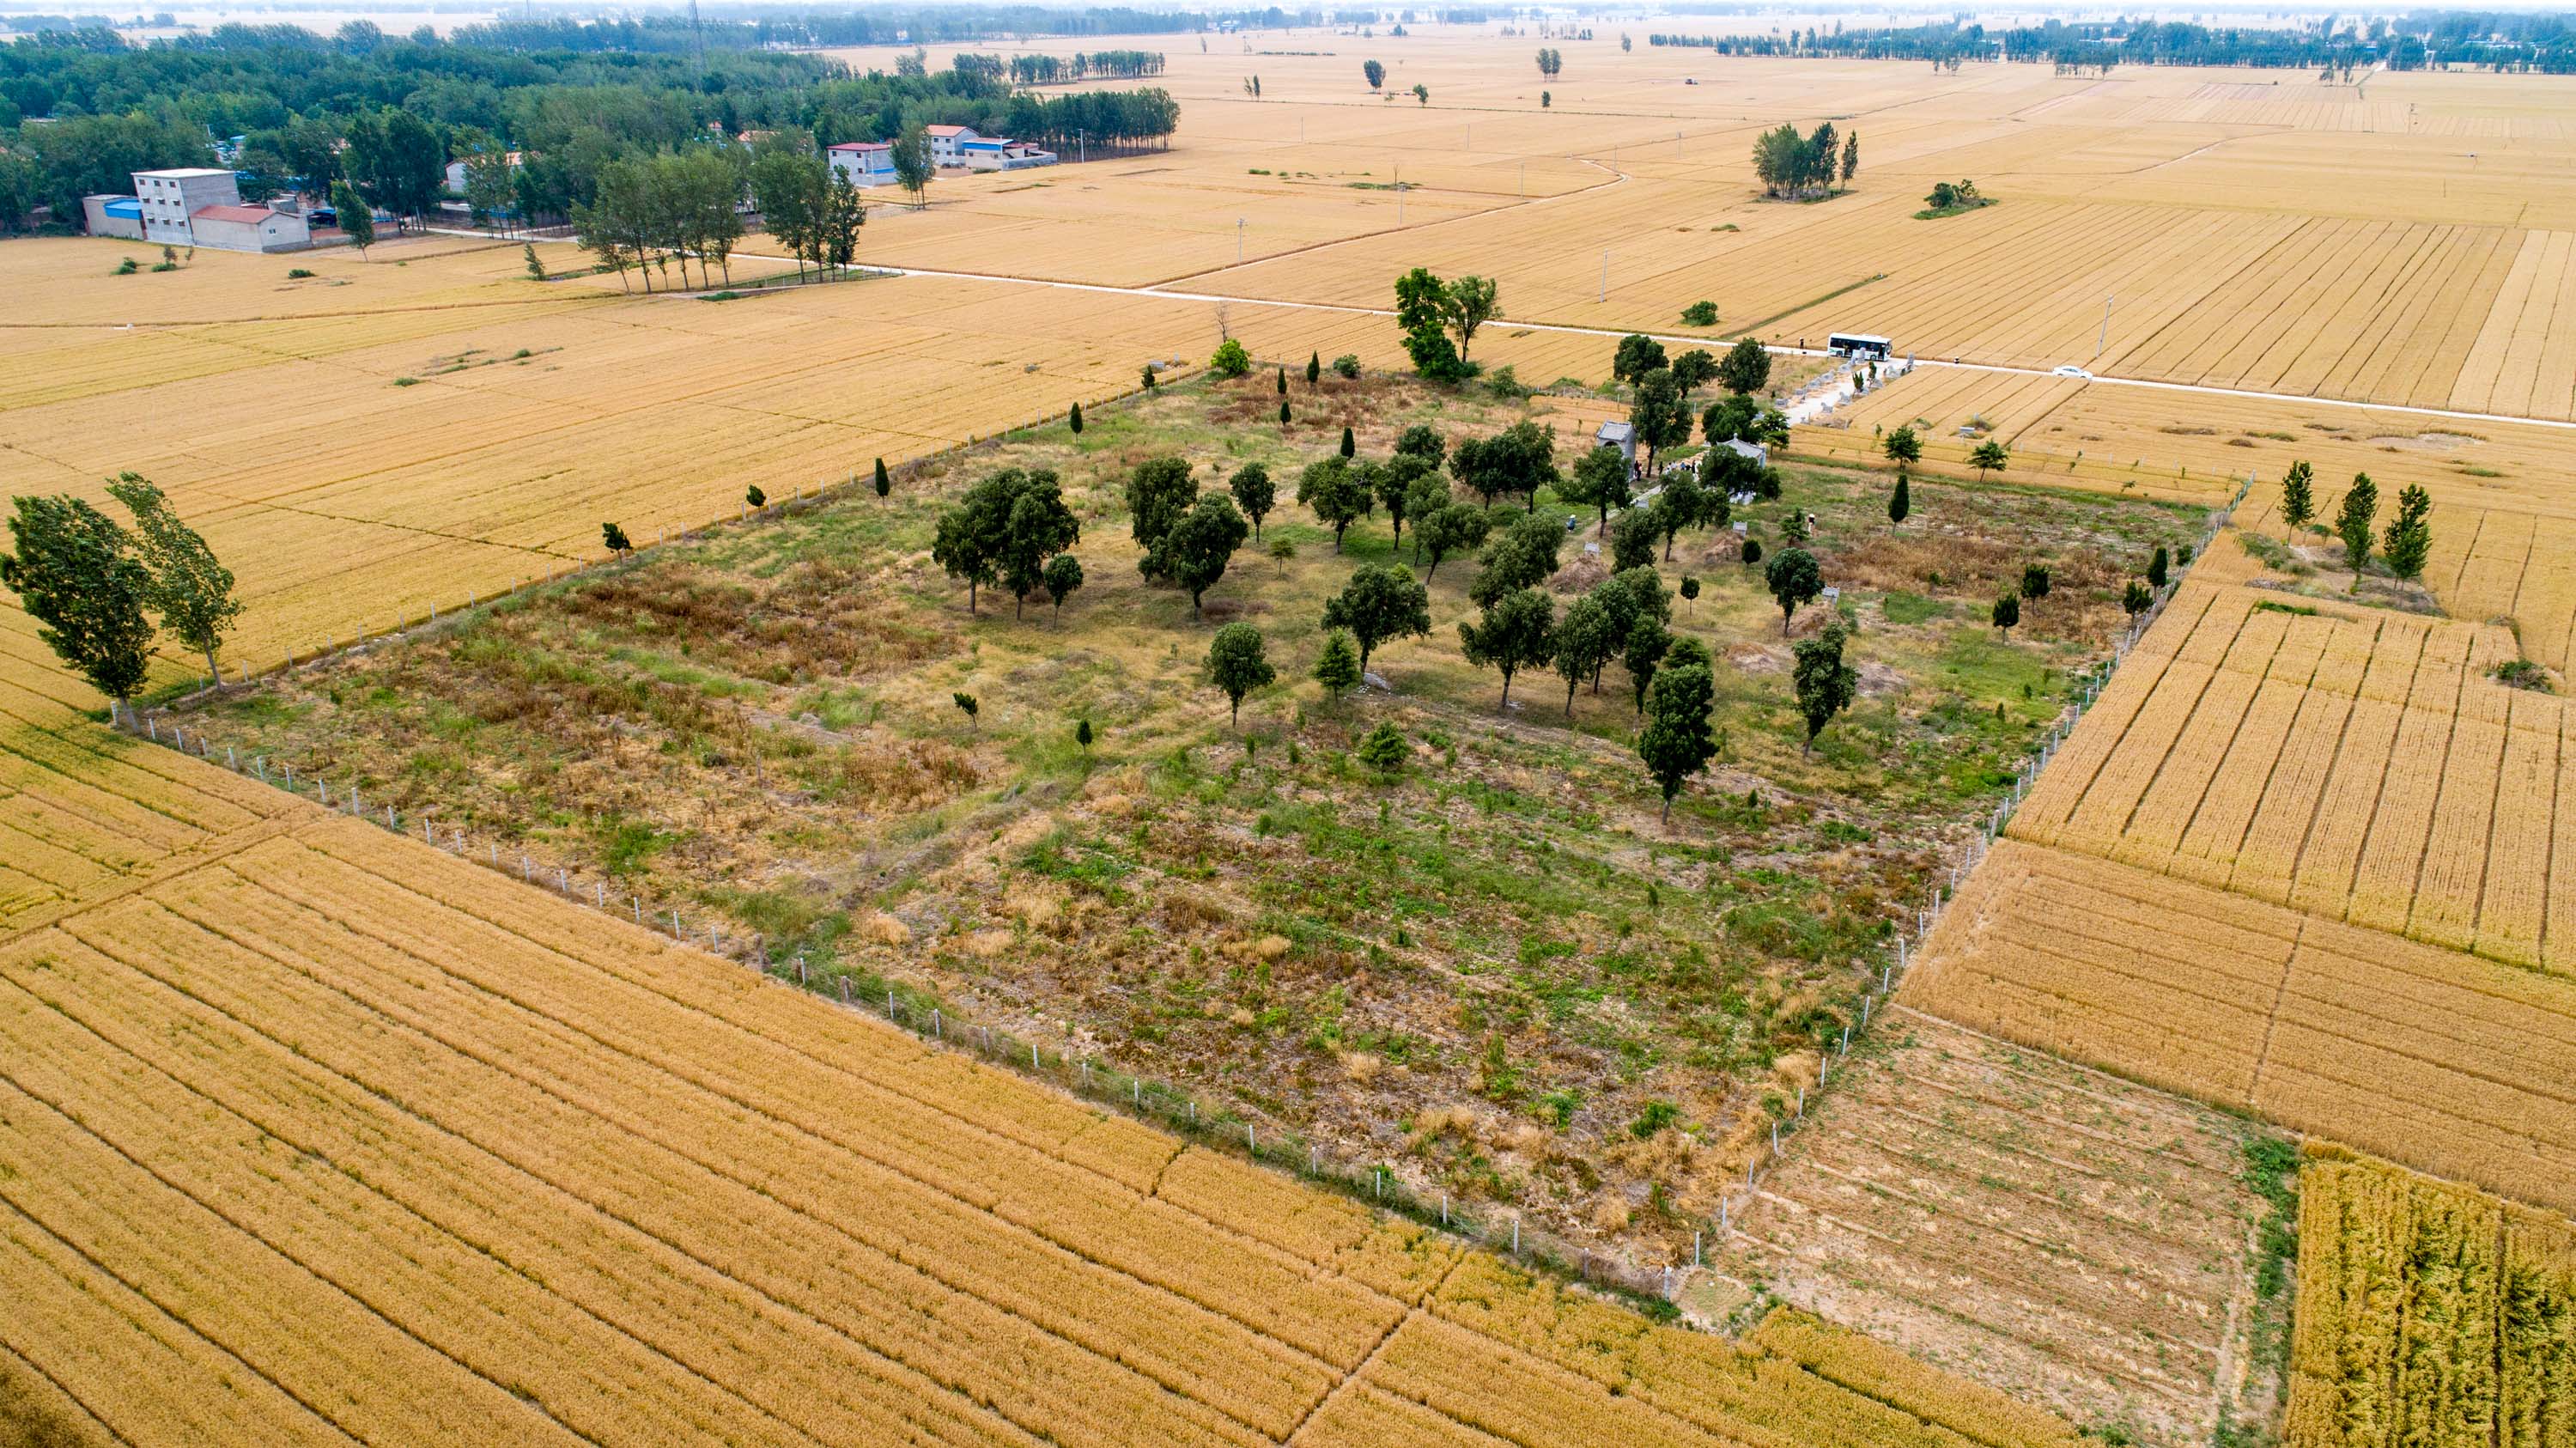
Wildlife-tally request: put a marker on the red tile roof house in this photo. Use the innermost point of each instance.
(248, 228)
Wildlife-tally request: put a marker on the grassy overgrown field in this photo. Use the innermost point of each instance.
(1492, 967)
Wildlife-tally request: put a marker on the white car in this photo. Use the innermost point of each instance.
(2071, 370)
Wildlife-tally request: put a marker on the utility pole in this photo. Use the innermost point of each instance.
(2105, 339)
(1605, 278)
(1238, 241)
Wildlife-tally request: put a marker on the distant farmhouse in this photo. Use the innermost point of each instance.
(194, 206)
(871, 163)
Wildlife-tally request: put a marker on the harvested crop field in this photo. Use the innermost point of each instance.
(2442, 1060)
(2071, 1238)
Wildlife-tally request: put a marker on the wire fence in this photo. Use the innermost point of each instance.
(1907, 946)
(1377, 1182)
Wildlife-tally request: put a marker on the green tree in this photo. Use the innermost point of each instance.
(793, 191)
(1350, 445)
(1684, 504)
(1284, 415)
(885, 484)
(1062, 576)
(1648, 642)
(1586, 638)
(191, 591)
(1159, 491)
(1385, 749)
(1202, 543)
(1518, 629)
(2034, 581)
(1676, 742)
(2352, 524)
(1728, 419)
(1633, 538)
(1073, 419)
(2007, 612)
(1253, 493)
(1421, 93)
(1338, 667)
(1793, 578)
(1379, 604)
(2298, 495)
(1283, 383)
(1989, 456)
(1901, 502)
(1637, 355)
(1600, 481)
(1149, 379)
(1398, 481)
(1428, 494)
(1451, 529)
(74, 572)
(1375, 73)
(1694, 369)
(754, 498)
(1002, 530)
(1747, 368)
(1851, 157)
(1083, 736)
(1236, 664)
(1472, 301)
(2158, 569)
(1230, 360)
(1689, 589)
(2409, 540)
(1336, 492)
(1658, 413)
(969, 706)
(1314, 370)
(536, 266)
(1524, 556)
(1519, 459)
(1751, 552)
(1037, 528)
(2136, 599)
(913, 167)
(1423, 441)
(1825, 684)
(358, 223)
(1902, 447)
(1700, 314)
(614, 539)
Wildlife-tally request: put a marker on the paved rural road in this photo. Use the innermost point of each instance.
(1164, 293)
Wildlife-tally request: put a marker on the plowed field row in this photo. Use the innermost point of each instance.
(2446, 1061)
(2047, 1229)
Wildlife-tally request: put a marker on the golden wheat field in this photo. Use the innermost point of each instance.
(447, 428)
(2404, 241)
(2428, 1314)
(328, 1134)
(2357, 764)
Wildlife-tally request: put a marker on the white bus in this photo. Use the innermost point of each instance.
(1859, 344)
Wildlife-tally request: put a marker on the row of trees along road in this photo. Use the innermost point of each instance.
(89, 582)
(652, 210)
